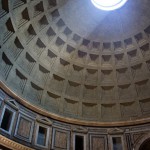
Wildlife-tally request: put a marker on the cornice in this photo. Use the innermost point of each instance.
(12, 145)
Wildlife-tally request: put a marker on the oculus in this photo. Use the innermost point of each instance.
(108, 4)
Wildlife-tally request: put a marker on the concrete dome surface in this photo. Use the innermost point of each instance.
(72, 60)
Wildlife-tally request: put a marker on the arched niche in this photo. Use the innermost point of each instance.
(143, 143)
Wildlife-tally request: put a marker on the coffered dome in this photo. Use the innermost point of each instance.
(74, 61)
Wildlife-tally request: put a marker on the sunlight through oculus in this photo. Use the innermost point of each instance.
(108, 4)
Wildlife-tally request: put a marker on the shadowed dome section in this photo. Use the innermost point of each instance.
(77, 62)
(108, 4)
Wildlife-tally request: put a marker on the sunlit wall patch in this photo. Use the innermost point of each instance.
(108, 4)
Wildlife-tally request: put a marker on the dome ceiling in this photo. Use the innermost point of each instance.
(71, 59)
(104, 26)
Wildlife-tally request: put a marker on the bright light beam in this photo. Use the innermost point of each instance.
(108, 4)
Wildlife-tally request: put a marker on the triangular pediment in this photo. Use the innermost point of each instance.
(44, 120)
(115, 131)
(80, 130)
(2, 95)
(12, 103)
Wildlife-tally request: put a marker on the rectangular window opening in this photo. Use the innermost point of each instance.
(42, 134)
(7, 119)
(79, 142)
(117, 143)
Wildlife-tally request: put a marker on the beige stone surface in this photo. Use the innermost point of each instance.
(76, 61)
